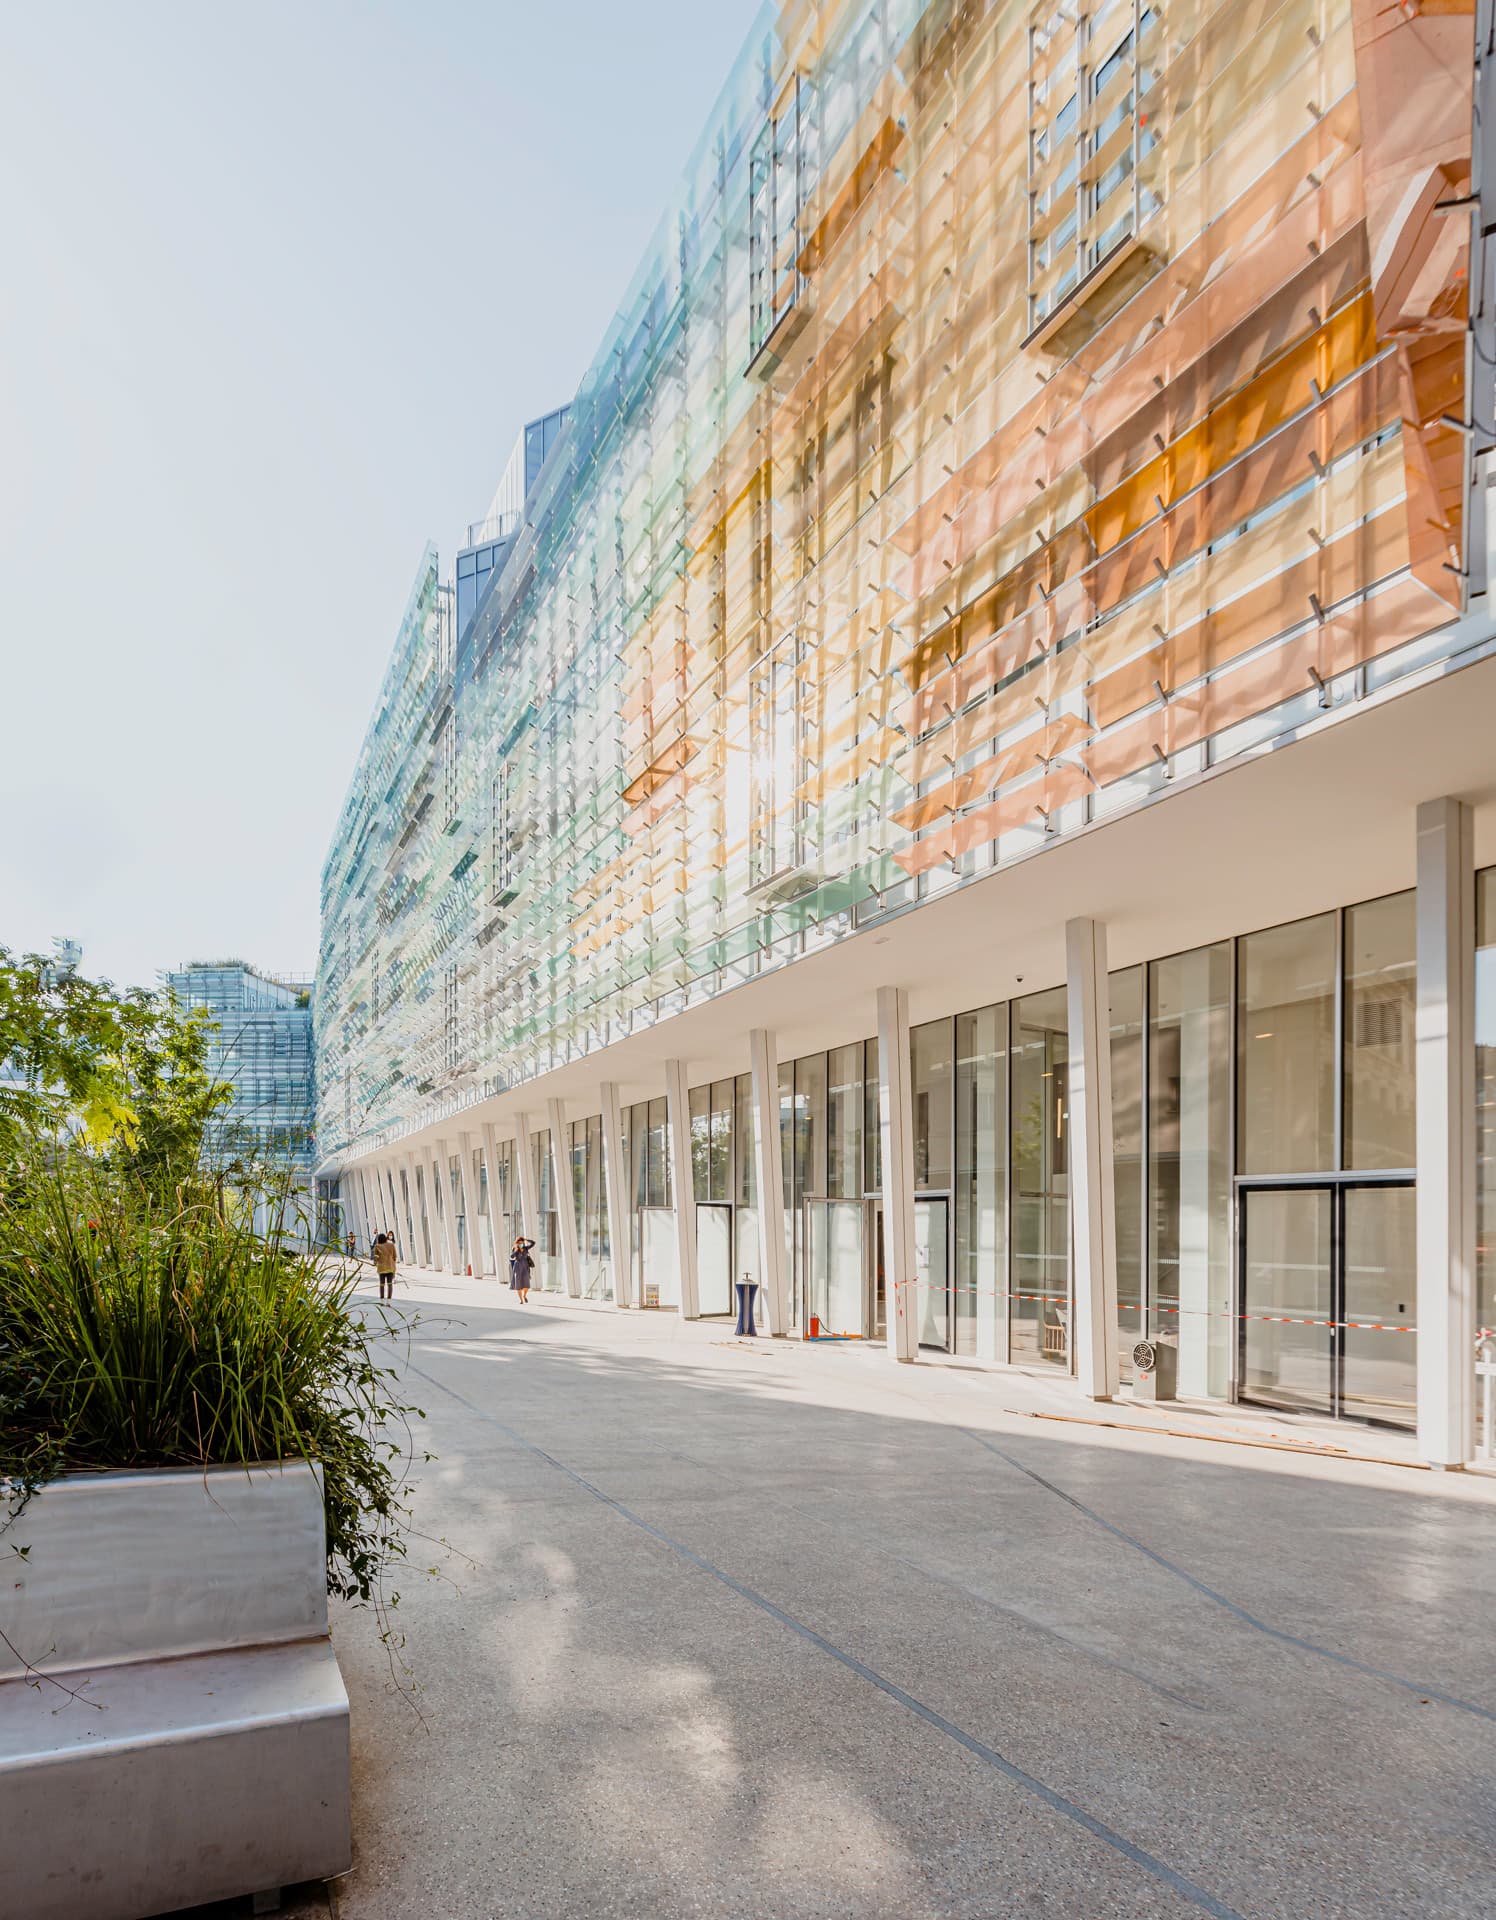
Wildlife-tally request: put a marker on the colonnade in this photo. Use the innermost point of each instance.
(408, 1189)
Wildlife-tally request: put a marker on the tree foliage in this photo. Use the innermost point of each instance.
(127, 1070)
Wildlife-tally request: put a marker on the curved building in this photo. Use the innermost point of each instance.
(964, 790)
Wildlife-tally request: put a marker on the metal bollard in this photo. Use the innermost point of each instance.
(747, 1294)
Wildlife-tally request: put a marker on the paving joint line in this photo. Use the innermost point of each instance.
(1210, 1593)
(1169, 1876)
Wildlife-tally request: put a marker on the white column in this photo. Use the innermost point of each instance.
(616, 1184)
(369, 1221)
(498, 1252)
(376, 1212)
(682, 1184)
(1445, 1038)
(529, 1198)
(768, 1171)
(1093, 1222)
(438, 1157)
(396, 1220)
(420, 1234)
(406, 1243)
(896, 1128)
(561, 1186)
(353, 1213)
(474, 1261)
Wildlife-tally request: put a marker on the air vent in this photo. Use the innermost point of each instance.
(1379, 1023)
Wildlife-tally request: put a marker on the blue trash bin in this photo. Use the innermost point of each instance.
(747, 1295)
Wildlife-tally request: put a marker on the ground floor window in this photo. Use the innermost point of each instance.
(1263, 1138)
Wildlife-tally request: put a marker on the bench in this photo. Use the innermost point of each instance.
(173, 1724)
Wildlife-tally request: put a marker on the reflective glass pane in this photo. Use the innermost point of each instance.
(1381, 1278)
(981, 1181)
(844, 1119)
(1286, 1048)
(932, 1268)
(714, 1276)
(1380, 1002)
(1039, 1309)
(747, 1164)
(1189, 1163)
(1127, 1152)
(720, 1147)
(1288, 1297)
(872, 1133)
(701, 1135)
(932, 1068)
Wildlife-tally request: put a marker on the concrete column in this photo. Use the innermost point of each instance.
(352, 1220)
(474, 1225)
(368, 1223)
(370, 1207)
(896, 1128)
(616, 1186)
(529, 1198)
(397, 1217)
(439, 1172)
(393, 1212)
(682, 1184)
(420, 1230)
(566, 1209)
(1445, 1044)
(376, 1216)
(498, 1251)
(1093, 1222)
(768, 1171)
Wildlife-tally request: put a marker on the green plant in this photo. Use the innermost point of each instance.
(128, 1071)
(144, 1326)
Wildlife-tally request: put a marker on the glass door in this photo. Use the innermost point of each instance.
(876, 1283)
(1378, 1375)
(1328, 1293)
(932, 1266)
(1288, 1284)
(835, 1264)
(714, 1294)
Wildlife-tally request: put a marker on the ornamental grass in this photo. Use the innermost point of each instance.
(151, 1325)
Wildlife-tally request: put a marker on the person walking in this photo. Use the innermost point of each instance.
(351, 1244)
(384, 1265)
(521, 1266)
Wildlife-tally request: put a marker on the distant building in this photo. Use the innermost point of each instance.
(490, 539)
(263, 1049)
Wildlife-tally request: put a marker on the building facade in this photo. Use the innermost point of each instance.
(262, 1050)
(967, 796)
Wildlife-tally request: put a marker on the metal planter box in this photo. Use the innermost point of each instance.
(173, 1725)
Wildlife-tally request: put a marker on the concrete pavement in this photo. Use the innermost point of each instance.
(761, 1629)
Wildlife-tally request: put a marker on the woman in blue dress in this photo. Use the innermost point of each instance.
(521, 1266)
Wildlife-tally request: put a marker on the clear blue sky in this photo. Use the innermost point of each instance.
(278, 284)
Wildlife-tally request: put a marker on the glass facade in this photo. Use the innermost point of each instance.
(1286, 1048)
(783, 637)
(263, 1049)
(866, 564)
(1263, 1138)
